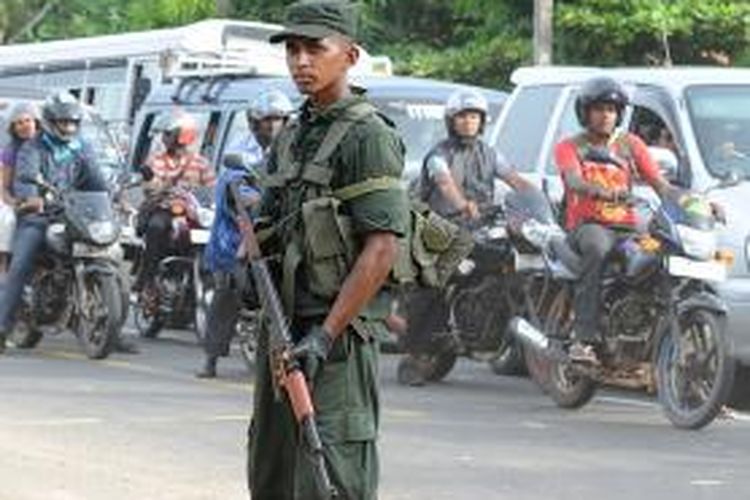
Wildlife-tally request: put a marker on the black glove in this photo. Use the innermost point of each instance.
(312, 351)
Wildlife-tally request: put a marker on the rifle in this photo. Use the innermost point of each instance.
(287, 373)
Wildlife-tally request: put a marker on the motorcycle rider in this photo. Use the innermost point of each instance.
(60, 158)
(177, 167)
(267, 116)
(458, 174)
(596, 196)
(23, 125)
(457, 181)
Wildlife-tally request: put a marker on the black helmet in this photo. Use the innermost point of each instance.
(61, 107)
(601, 90)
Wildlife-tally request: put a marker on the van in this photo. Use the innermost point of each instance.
(219, 106)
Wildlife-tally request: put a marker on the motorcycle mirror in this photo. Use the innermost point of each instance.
(233, 161)
(146, 173)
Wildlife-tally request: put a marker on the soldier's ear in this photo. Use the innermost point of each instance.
(353, 54)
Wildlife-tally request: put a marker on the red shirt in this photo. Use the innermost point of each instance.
(581, 208)
(187, 170)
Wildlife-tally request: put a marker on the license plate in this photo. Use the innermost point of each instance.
(95, 252)
(199, 236)
(687, 268)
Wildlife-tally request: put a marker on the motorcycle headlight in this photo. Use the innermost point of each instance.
(103, 232)
(697, 243)
(206, 217)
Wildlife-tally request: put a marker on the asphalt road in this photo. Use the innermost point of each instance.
(143, 427)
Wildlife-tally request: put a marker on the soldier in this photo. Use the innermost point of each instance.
(333, 176)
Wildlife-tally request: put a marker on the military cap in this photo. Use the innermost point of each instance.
(318, 19)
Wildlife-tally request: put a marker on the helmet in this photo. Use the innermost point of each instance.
(601, 90)
(22, 109)
(271, 103)
(61, 107)
(179, 123)
(465, 100)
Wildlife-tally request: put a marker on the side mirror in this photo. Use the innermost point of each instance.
(667, 162)
(233, 161)
(146, 173)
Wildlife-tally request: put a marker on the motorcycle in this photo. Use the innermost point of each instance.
(469, 316)
(77, 284)
(182, 289)
(662, 320)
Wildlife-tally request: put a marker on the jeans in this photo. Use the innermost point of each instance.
(157, 236)
(593, 242)
(28, 241)
(222, 318)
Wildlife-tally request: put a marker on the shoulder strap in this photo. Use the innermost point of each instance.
(339, 129)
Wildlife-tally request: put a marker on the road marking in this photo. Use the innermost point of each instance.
(57, 422)
(539, 426)
(706, 482)
(627, 401)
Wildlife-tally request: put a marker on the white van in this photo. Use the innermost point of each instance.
(706, 111)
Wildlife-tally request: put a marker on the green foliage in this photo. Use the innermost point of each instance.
(612, 32)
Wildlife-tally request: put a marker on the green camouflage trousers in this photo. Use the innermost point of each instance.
(345, 394)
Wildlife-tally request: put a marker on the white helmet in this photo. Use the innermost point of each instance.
(465, 100)
(271, 103)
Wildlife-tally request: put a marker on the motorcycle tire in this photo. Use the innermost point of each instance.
(509, 360)
(739, 398)
(677, 390)
(24, 334)
(567, 388)
(440, 364)
(204, 294)
(98, 338)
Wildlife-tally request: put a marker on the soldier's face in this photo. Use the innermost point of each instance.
(602, 118)
(467, 123)
(319, 64)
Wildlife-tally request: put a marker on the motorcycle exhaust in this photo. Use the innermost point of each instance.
(528, 334)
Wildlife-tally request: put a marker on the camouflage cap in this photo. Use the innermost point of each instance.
(318, 19)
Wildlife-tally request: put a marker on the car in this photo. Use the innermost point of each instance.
(415, 105)
(696, 122)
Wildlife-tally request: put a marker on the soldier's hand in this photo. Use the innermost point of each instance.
(312, 351)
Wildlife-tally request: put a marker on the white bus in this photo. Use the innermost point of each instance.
(115, 73)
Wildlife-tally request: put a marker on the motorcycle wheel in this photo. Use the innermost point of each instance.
(440, 365)
(25, 335)
(509, 360)
(147, 319)
(247, 335)
(694, 376)
(204, 294)
(563, 384)
(99, 322)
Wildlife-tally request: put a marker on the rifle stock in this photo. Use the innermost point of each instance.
(287, 374)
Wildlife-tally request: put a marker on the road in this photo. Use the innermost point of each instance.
(143, 427)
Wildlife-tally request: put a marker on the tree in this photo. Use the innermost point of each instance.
(622, 32)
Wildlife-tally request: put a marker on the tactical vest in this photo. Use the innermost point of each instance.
(476, 181)
(314, 232)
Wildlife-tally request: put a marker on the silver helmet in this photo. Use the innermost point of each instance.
(465, 100)
(271, 103)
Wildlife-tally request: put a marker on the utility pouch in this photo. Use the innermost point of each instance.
(329, 246)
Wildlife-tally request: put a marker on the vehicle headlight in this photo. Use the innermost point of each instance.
(103, 232)
(697, 243)
(539, 234)
(206, 217)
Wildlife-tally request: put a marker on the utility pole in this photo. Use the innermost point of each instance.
(543, 13)
(223, 8)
